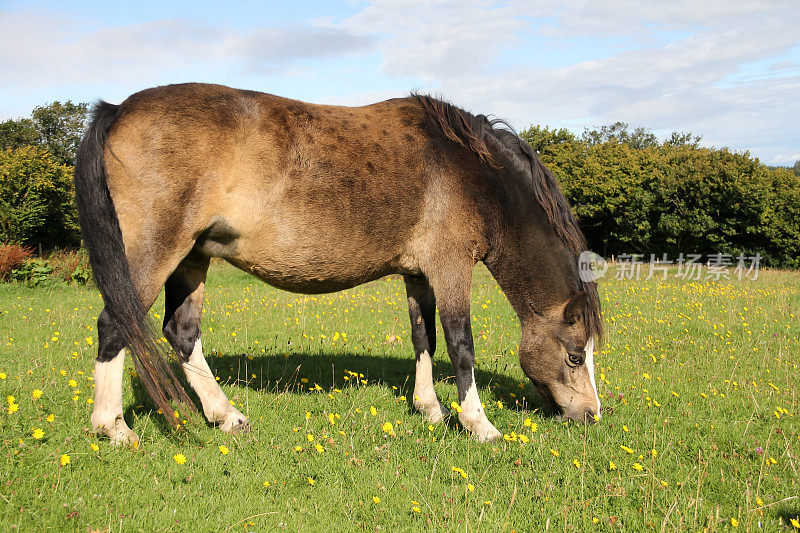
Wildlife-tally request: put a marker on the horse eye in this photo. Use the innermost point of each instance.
(575, 359)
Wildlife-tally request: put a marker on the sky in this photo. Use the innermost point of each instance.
(726, 70)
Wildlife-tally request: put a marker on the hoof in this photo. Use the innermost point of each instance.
(487, 436)
(481, 429)
(118, 433)
(434, 412)
(236, 423)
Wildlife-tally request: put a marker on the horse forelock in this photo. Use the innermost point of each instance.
(478, 133)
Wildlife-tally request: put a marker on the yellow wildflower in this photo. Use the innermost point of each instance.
(38, 433)
(376, 499)
(179, 458)
(223, 450)
(36, 394)
(64, 460)
(638, 467)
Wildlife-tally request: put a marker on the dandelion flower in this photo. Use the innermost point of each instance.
(554, 452)
(310, 481)
(72, 383)
(376, 499)
(310, 437)
(319, 447)
(611, 465)
(470, 487)
(626, 448)
(3, 375)
(94, 447)
(459, 471)
(65, 460)
(576, 463)
(298, 448)
(51, 417)
(416, 509)
(223, 450)
(12, 408)
(734, 522)
(638, 467)
(372, 410)
(36, 394)
(795, 523)
(38, 433)
(179, 458)
(387, 427)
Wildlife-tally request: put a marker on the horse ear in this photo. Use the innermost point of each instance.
(575, 308)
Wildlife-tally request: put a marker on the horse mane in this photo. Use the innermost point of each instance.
(478, 133)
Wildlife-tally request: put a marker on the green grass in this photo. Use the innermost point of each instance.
(704, 373)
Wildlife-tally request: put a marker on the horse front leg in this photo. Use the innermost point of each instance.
(454, 312)
(422, 311)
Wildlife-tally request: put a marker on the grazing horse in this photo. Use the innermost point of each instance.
(315, 199)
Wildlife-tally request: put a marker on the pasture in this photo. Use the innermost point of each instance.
(699, 381)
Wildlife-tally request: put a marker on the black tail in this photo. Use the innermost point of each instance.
(103, 238)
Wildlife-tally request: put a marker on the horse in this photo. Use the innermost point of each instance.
(315, 199)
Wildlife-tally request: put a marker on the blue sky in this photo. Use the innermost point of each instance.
(727, 70)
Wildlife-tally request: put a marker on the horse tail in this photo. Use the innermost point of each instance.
(102, 237)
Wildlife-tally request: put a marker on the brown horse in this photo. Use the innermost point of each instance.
(313, 198)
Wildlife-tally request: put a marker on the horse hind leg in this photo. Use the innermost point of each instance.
(108, 373)
(422, 311)
(184, 304)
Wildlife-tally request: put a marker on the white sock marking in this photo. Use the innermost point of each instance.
(216, 406)
(108, 390)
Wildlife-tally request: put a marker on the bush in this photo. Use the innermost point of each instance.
(36, 200)
(633, 195)
(12, 256)
(70, 265)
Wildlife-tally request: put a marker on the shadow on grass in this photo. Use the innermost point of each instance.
(285, 374)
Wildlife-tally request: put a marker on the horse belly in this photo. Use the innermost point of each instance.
(314, 254)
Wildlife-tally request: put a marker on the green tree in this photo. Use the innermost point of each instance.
(56, 127)
(16, 133)
(60, 127)
(36, 199)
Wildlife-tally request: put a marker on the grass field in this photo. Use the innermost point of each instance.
(701, 432)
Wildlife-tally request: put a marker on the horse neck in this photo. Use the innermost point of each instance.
(532, 265)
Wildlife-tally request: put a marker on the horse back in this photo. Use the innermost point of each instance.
(288, 190)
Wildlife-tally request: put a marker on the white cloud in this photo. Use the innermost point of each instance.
(37, 49)
(678, 66)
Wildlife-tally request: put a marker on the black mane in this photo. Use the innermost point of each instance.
(477, 133)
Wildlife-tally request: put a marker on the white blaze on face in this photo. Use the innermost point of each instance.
(589, 362)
